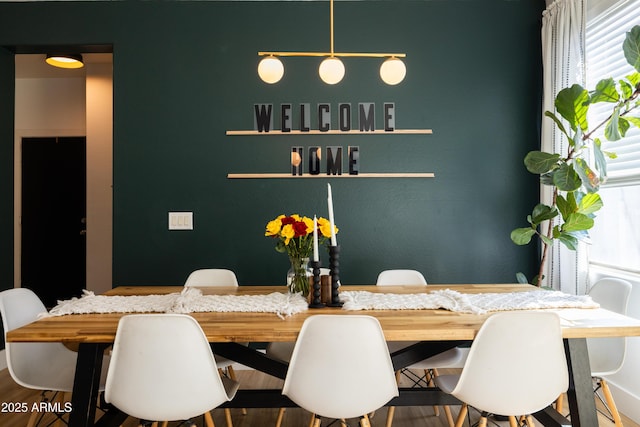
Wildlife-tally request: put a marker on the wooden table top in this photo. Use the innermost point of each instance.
(398, 325)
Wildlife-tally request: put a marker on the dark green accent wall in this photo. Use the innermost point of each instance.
(185, 72)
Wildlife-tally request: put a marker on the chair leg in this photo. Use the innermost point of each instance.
(281, 412)
(429, 377)
(390, 412)
(611, 403)
(364, 421)
(59, 398)
(447, 413)
(560, 403)
(530, 422)
(512, 421)
(483, 421)
(208, 420)
(33, 419)
(343, 423)
(461, 415)
(227, 415)
(314, 421)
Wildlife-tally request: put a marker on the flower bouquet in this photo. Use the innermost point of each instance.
(295, 237)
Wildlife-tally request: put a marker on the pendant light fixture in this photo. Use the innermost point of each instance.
(66, 60)
(331, 70)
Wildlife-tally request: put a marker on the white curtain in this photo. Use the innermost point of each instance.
(563, 41)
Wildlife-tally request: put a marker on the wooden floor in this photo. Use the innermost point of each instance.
(12, 394)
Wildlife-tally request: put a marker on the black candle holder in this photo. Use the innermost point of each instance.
(334, 266)
(316, 301)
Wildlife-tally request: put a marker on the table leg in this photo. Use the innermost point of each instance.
(86, 384)
(582, 405)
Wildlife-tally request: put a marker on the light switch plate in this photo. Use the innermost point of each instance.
(180, 220)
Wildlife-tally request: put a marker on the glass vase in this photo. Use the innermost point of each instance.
(299, 275)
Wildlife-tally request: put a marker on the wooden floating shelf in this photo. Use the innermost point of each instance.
(332, 132)
(325, 176)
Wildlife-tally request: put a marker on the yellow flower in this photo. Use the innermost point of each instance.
(287, 233)
(325, 227)
(273, 227)
(309, 223)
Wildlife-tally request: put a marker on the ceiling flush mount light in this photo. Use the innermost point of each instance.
(67, 60)
(331, 70)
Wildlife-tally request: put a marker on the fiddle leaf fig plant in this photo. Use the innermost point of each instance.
(576, 177)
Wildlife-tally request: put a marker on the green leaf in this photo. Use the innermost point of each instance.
(566, 178)
(547, 241)
(542, 213)
(590, 203)
(627, 89)
(634, 78)
(521, 278)
(611, 130)
(590, 179)
(572, 104)
(623, 126)
(577, 222)
(564, 206)
(539, 162)
(634, 120)
(605, 91)
(522, 236)
(631, 47)
(547, 179)
(601, 162)
(569, 241)
(558, 123)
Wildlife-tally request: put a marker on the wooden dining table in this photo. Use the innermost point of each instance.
(433, 331)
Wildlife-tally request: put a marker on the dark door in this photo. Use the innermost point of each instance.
(53, 217)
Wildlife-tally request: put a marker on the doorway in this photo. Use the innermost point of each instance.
(54, 217)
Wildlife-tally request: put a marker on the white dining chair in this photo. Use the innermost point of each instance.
(162, 368)
(607, 355)
(452, 358)
(211, 277)
(340, 368)
(499, 375)
(206, 277)
(49, 367)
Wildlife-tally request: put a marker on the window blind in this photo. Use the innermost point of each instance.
(605, 34)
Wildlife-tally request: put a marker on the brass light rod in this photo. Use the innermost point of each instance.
(342, 54)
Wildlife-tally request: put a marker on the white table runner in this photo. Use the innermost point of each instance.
(465, 303)
(190, 300)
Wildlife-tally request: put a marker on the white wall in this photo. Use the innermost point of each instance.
(625, 385)
(99, 105)
(76, 106)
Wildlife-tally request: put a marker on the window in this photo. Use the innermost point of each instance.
(616, 235)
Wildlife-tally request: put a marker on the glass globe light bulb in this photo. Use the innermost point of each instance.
(392, 71)
(331, 70)
(270, 69)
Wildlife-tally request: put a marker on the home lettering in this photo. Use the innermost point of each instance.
(333, 160)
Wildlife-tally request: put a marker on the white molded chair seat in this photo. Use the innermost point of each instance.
(162, 368)
(37, 366)
(499, 376)
(607, 355)
(340, 367)
(400, 277)
(211, 277)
